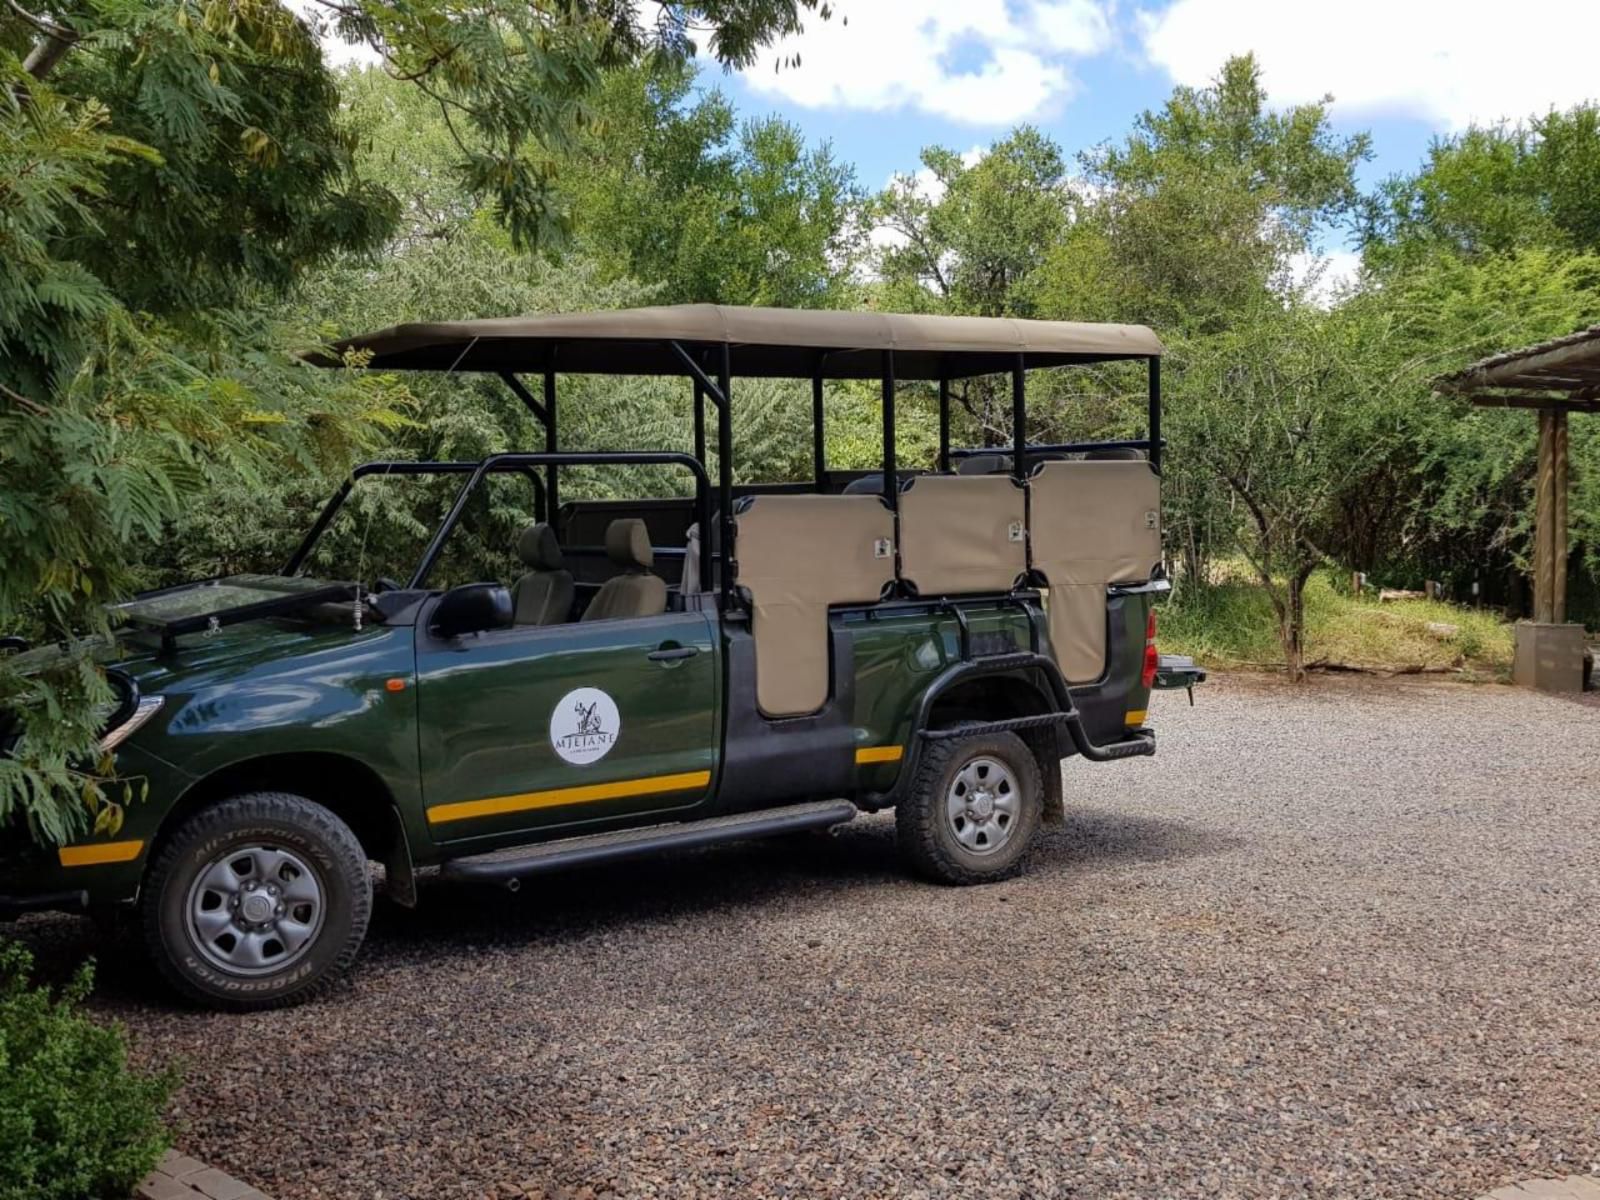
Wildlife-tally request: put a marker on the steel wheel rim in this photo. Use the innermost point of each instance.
(983, 805)
(254, 910)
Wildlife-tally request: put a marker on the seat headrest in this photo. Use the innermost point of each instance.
(628, 544)
(538, 548)
(984, 464)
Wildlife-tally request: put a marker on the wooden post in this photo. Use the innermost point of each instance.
(1544, 521)
(1558, 513)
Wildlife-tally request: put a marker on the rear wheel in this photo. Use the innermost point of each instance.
(972, 809)
(257, 902)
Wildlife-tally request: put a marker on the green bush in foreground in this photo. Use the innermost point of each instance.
(76, 1122)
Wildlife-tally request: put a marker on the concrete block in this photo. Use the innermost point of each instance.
(1548, 657)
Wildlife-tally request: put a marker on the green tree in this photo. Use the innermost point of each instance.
(969, 238)
(1492, 190)
(1280, 408)
(666, 186)
(1453, 500)
(1202, 208)
(972, 237)
(516, 84)
(167, 171)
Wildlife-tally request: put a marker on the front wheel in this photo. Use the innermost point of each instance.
(257, 902)
(972, 809)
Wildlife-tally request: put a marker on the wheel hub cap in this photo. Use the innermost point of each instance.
(253, 910)
(983, 804)
(257, 907)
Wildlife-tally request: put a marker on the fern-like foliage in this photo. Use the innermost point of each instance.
(123, 397)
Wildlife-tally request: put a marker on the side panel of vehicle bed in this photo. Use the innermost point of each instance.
(898, 654)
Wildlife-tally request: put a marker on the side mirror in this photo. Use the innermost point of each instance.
(472, 608)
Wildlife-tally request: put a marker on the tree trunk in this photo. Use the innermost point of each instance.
(46, 53)
(1292, 625)
(1194, 554)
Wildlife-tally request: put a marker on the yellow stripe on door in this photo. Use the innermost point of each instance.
(879, 754)
(95, 853)
(495, 806)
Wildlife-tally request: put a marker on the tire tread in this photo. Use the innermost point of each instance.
(285, 808)
(917, 815)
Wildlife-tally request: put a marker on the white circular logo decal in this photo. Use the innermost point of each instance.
(585, 726)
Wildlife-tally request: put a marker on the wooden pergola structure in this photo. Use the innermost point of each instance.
(1554, 378)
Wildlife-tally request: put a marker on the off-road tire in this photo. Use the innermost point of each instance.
(297, 825)
(927, 840)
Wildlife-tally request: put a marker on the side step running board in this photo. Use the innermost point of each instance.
(517, 863)
(1138, 742)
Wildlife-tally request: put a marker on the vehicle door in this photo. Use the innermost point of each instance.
(533, 729)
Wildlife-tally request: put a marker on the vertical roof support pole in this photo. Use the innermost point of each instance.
(1558, 524)
(1155, 413)
(545, 414)
(819, 452)
(700, 426)
(1544, 521)
(725, 472)
(1019, 419)
(552, 487)
(718, 392)
(891, 476)
(944, 420)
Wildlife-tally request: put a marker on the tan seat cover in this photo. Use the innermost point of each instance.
(543, 595)
(962, 534)
(1091, 524)
(797, 555)
(635, 592)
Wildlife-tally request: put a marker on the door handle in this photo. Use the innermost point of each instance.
(672, 653)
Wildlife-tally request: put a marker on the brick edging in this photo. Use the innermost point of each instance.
(179, 1177)
(1573, 1187)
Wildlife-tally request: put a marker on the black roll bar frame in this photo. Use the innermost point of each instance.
(387, 468)
(580, 458)
(523, 463)
(718, 359)
(1151, 444)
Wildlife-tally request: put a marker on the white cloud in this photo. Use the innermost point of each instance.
(981, 62)
(1448, 62)
(1071, 26)
(1325, 278)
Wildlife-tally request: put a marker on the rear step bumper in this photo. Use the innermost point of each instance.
(1178, 671)
(519, 862)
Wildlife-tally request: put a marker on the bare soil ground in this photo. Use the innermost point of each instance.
(1334, 942)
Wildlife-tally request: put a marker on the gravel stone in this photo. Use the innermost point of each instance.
(1330, 942)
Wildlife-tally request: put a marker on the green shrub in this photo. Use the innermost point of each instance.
(76, 1122)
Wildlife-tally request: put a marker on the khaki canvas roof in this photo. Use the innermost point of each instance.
(770, 342)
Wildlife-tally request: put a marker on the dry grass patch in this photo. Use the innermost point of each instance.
(1232, 624)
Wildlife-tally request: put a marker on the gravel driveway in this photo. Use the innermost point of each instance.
(1337, 942)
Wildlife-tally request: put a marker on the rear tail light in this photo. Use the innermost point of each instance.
(1147, 677)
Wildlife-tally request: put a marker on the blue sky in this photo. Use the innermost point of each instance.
(886, 77)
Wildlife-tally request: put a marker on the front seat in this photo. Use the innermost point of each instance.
(543, 596)
(635, 592)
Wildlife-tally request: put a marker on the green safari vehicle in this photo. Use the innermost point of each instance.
(661, 673)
